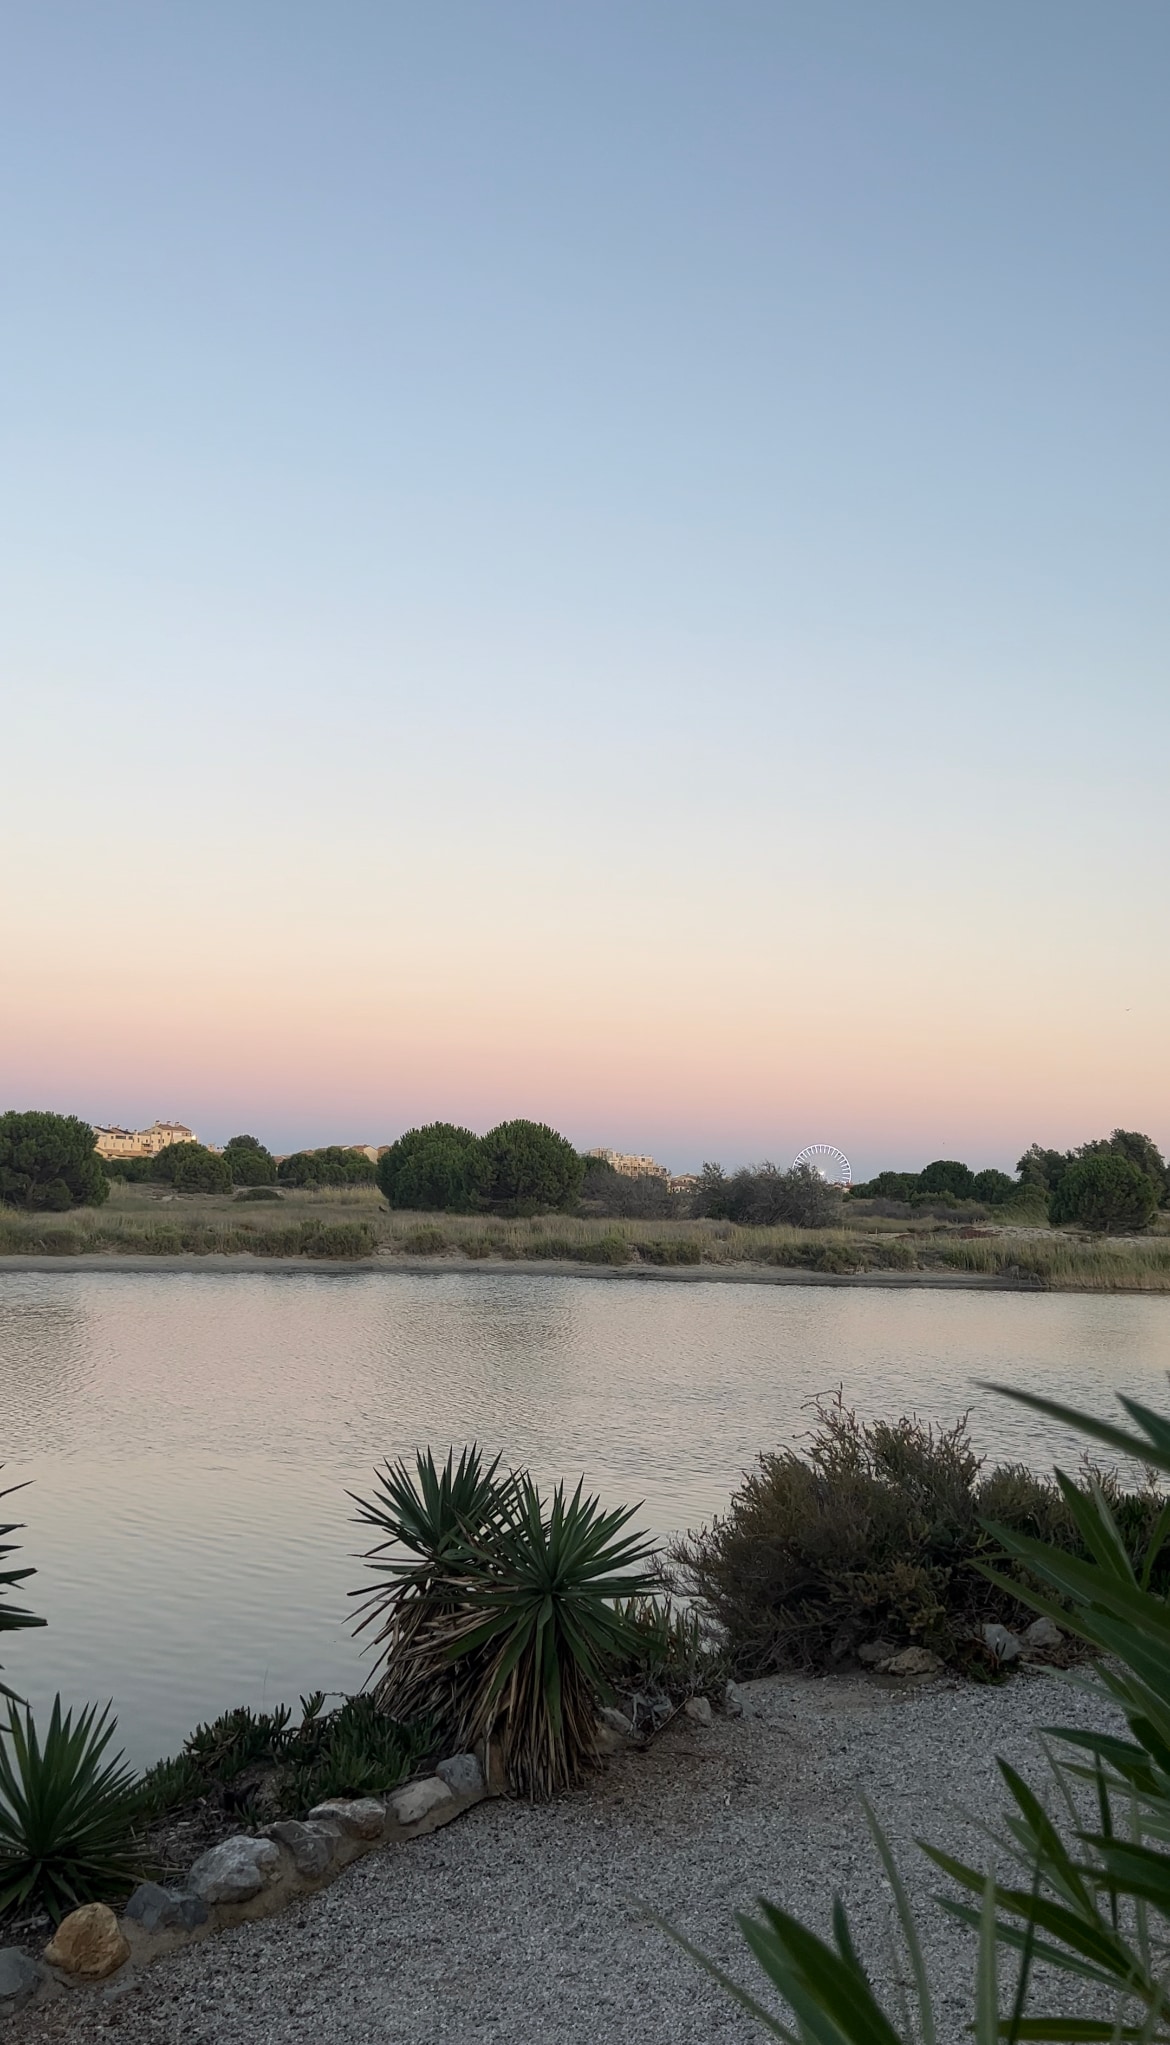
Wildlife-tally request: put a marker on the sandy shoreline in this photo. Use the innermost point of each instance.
(546, 1267)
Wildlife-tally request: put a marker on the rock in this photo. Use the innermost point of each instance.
(912, 1661)
(616, 1721)
(606, 1741)
(20, 1977)
(1041, 1633)
(88, 1942)
(1002, 1642)
(733, 1701)
(312, 1846)
(360, 1818)
(159, 1909)
(463, 1774)
(699, 1709)
(419, 1799)
(874, 1652)
(235, 1871)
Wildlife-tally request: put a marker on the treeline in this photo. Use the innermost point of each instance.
(1113, 1184)
(519, 1167)
(243, 1161)
(764, 1196)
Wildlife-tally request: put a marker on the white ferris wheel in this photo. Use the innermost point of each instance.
(825, 1158)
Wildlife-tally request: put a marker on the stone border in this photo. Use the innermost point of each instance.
(249, 1876)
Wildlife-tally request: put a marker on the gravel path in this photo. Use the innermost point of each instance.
(520, 1926)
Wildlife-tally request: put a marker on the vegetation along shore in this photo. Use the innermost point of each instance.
(1095, 1219)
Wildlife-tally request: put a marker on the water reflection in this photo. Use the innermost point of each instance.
(191, 1436)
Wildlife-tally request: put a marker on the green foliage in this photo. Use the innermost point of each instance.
(67, 1814)
(886, 1186)
(342, 1239)
(1105, 1192)
(333, 1166)
(947, 1175)
(875, 1531)
(438, 1169)
(425, 1241)
(192, 1168)
(671, 1656)
(49, 1162)
(505, 1616)
(13, 1617)
(251, 1193)
(248, 1162)
(353, 1750)
(530, 1168)
(762, 1196)
(1086, 1899)
(993, 1188)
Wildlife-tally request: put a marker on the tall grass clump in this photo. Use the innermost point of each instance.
(877, 1530)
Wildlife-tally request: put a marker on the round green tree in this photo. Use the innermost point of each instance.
(192, 1168)
(1104, 1192)
(947, 1175)
(439, 1168)
(531, 1168)
(49, 1162)
(249, 1163)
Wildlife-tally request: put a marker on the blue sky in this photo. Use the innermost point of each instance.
(582, 525)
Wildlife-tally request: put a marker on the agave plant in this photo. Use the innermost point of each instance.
(501, 1617)
(1090, 1899)
(67, 1814)
(13, 1616)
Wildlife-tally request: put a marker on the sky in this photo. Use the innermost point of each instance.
(604, 562)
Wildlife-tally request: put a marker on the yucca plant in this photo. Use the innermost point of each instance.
(67, 1814)
(13, 1616)
(1089, 1896)
(501, 1617)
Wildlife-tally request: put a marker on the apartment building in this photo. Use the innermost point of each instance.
(113, 1141)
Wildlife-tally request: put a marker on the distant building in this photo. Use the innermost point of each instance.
(632, 1167)
(371, 1150)
(685, 1182)
(113, 1141)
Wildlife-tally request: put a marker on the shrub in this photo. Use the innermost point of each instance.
(1104, 1192)
(440, 1168)
(342, 1239)
(258, 1193)
(874, 1531)
(333, 1166)
(672, 1656)
(504, 1617)
(67, 1814)
(425, 1241)
(245, 1757)
(1087, 1892)
(13, 1617)
(610, 1248)
(761, 1196)
(672, 1250)
(49, 1162)
(248, 1162)
(192, 1168)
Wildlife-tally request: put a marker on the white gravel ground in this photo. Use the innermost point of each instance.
(525, 1925)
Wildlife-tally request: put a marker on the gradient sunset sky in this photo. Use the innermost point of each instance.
(600, 561)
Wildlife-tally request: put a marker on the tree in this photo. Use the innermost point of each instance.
(993, 1187)
(439, 1168)
(192, 1168)
(887, 1186)
(530, 1167)
(249, 1163)
(333, 1166)
(762, 1196)
(1044, 1168)
(947, 1175)
(1141, 1151)
(1104, 1192)
(49, 1162)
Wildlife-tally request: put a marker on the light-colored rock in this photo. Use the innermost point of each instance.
(360, 1817)
(912, 1661)
(236, 1870)
(874, 1652)
(1003, 1643)
(733, 1701)
(312, 1845)
(699, 1709)
(20, 1978)
(606, 1741)
(88, 1943)
(159, 1909)
(616, 1721)
(1042, 1633)
(419, 1799)
(462, 1773)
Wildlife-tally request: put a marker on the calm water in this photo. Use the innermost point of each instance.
(191, 1438)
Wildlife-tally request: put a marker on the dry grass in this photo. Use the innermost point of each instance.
(347, 1222)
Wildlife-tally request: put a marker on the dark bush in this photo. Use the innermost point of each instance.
(762, 1196)
(1104, 1192)
(192, 1168)
(249, 1163)
(340, 1239)
(439, 1169)
(530, 1168)
(875, 1531)
(333, 1166)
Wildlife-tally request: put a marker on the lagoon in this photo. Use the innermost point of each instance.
(191, 1437)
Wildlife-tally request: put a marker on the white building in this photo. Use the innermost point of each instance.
(113, 1141)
